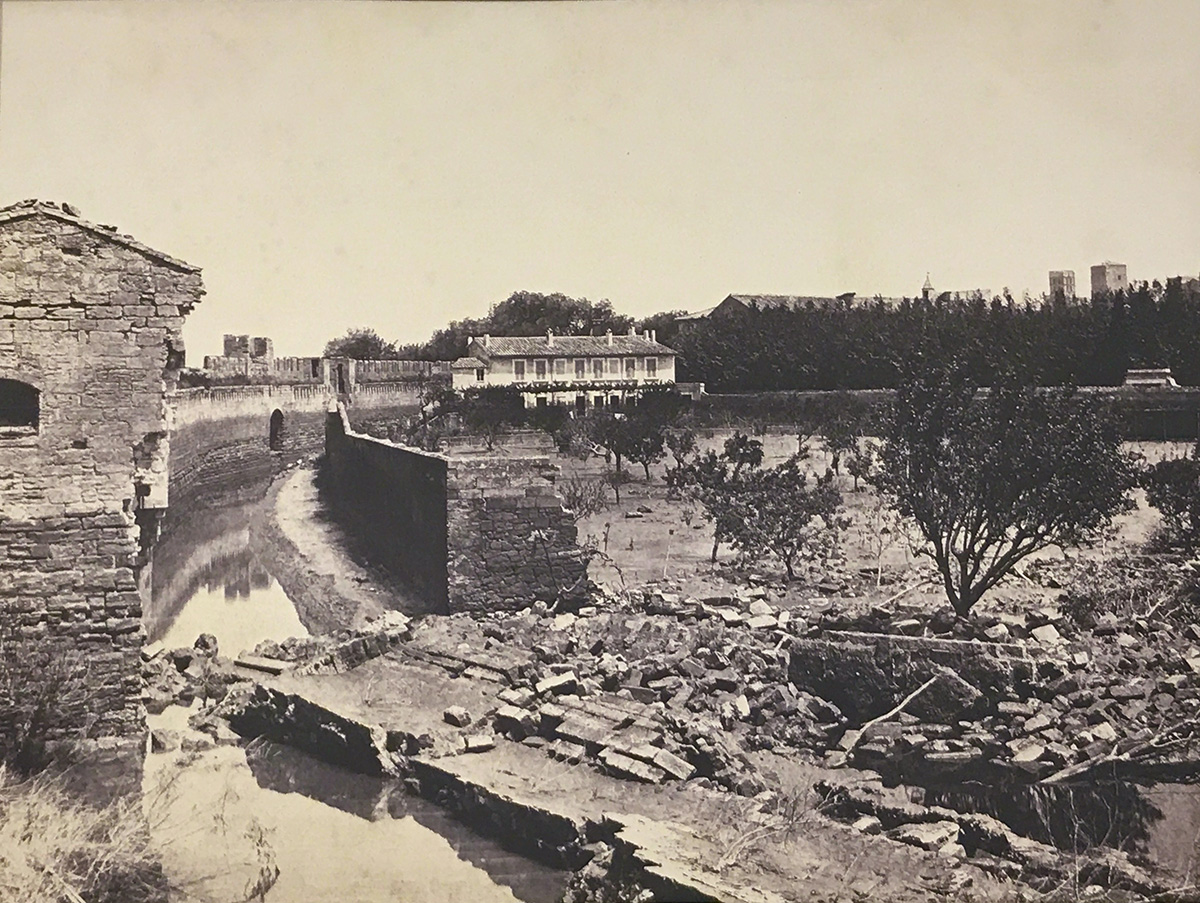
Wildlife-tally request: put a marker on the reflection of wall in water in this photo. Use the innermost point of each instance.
(205, 550)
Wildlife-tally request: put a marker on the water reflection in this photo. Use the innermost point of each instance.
(224, 816)
(205, 578)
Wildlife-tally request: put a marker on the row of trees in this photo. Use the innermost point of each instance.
(854, 344)
(870, 344)
(985, 478)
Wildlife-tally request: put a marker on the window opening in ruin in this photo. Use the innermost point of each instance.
(19, 406)
(276, 432)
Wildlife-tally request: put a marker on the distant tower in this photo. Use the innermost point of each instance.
(1062, 284)
(927, 289)
(1109, 277)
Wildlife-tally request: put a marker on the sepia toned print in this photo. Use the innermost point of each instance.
(584, 452)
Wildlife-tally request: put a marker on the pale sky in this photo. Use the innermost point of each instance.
(399, 165)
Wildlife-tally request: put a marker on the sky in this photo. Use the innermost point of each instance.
(397, 165)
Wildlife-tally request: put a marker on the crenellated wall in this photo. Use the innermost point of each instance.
(466, 534)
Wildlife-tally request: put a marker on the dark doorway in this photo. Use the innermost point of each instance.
(276, 434)
(19, 404)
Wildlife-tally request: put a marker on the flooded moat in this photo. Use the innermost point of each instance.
(226, 817)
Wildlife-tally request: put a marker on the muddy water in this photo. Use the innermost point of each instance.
(227, 818)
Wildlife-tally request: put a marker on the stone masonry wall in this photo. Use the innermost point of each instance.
(466, 534)
(92, 320)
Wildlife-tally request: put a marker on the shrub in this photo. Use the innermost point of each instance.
(58, 849)
(584, 496)
(1173, 487)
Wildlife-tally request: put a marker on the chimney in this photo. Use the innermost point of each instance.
(653, 333)
(486, 337)
(632, 331)
(470, 341)
(549, 338)
(608, 336)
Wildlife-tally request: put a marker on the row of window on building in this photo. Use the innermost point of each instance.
(543, 368)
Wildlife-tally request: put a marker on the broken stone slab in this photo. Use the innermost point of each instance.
(586, 731)
(867, 824)
(1038, 722)
(457, 716)
(152, 650)
(263, 663)
(558, 684)
(673, 765)
(550, 716)
(628, 767)
(518, 696)
(927, 835)
(566, 751)
(762, 622)
(1023, 709)
(1047, 635)
(477, 743)
(164, 740)
(760, 607)
(513, 720)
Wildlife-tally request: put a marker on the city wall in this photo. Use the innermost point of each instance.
(466, 534)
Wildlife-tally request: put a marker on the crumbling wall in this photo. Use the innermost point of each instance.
(465, 534)
(866, 674)
(92, 320)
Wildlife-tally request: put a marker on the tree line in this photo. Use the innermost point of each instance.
(850, 344)
(867, 344)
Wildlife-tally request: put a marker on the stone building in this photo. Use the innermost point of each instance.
(582, 371)
(1109, 277)
(1062, 284)
(90, 340)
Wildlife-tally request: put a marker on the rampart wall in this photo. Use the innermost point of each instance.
(466, 534)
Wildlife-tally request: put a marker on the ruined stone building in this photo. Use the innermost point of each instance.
(90, 340)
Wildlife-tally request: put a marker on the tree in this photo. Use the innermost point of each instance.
(991, 477)
(490, 411)
(1173, 487)
(361, 344)
(778, 513)
(712, 481)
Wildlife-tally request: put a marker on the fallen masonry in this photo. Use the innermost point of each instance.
(689, 700)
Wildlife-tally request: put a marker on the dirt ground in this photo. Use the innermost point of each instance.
(671, 541)
(665, 543)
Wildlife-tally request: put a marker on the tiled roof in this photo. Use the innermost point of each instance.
(774, 302)
(466, 363)
(68, 214)
(565, 346)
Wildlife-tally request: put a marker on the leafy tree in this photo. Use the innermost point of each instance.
(712, 480)
(645, 439)
(491, 411)
(991, 477)
(361, 344)
(1173, 487)
(860, 463)
(778, 513)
